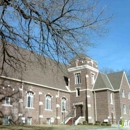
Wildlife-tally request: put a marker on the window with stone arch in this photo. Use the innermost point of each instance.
(30, 98)
(48, 102)
(77, 78)
(63, 104)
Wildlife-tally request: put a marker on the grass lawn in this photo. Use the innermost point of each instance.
(51, 127)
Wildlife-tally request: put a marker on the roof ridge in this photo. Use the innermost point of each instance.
(116, 79)
(116, 72)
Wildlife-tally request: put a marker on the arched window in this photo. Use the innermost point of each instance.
(77, 78)
(48, 102)
(30, 96)
(63, 104)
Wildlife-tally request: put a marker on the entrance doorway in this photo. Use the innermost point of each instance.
(79, 110)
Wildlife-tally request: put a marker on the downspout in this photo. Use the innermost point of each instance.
(86, 111)
(95, 102)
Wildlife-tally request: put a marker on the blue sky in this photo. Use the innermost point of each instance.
(113, 49)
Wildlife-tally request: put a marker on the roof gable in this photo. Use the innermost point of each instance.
(124, 80)
(102, 82)
(115, 79)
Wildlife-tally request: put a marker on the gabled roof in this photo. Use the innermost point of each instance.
(102, 82)
(110, 81)
(115, 79)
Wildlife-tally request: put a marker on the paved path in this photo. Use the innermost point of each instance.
(110, 129)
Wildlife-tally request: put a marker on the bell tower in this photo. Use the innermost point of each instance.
(82, 73)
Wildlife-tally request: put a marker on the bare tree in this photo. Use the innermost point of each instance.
(107, 70)
(8, 96)
(57, 29)
(52, 28)
(11, 95)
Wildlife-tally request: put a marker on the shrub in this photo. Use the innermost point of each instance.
(90, 123)
(108, 124)
(97, 124)
(79, 124)
(85, 123)
(1, 122)
(103, 124)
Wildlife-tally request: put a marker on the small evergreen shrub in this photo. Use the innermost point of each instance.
(85, 123)
(1, 122)
(79, 124)
(108, 124)
(103, 124)
(97, 124)
(90, 123)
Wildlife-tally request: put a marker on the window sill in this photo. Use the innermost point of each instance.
(7, 105)
(48, 109)
(77, 96)
(64, 111)
(30, 107)
(78, 84)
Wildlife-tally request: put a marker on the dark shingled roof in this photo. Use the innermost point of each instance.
(42, 71)
(102, 82)
(115, 79)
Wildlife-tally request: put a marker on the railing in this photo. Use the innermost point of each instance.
(79, 120)
(71, 114)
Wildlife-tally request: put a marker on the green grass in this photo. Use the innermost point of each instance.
(51, 127)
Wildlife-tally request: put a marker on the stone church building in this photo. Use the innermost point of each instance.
(63, 94)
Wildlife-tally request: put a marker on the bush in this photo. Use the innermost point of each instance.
(108, 124)
(79, 124)
(90, 123)
(85, 123)
(103, 124)
(1, 122)
(97, 124)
